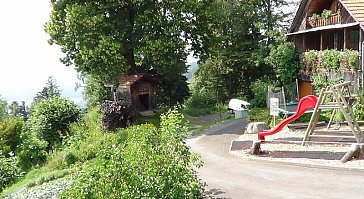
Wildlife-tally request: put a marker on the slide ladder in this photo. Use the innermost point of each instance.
(338, 102)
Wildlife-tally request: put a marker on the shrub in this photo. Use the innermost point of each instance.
(10, 130)
(50, 119)
(260, 89)
(9, 170)
(87, 138)
(358, 110)
(259, 115)
(203, 102)
(32, 151)
(151, 163)
(201, 99)
(117, 114)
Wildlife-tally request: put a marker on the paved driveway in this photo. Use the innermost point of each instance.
(229, 176)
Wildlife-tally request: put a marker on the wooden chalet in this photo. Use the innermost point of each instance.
(328, 24)
(142, 89)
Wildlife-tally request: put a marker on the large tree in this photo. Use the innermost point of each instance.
(105, 38)
(247, 31)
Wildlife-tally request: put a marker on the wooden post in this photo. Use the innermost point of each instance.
(255, 150)
(321, 41)
(345, 34)
(315, 115)
(331, 119)
(355, 151)
(303, 43)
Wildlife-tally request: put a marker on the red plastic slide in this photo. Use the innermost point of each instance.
(304, 104)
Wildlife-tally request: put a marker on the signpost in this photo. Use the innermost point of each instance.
(273, 108)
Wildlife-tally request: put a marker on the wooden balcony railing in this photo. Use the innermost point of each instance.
(333, 19)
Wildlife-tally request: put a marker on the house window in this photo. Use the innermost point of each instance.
(354, 39)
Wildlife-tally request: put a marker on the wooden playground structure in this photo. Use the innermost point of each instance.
(336, 98)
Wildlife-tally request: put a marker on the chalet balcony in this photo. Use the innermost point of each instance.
(320, 21)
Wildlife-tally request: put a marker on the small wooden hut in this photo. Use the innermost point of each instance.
(142, 89)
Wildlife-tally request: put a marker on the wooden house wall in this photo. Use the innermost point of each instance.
(145, 89)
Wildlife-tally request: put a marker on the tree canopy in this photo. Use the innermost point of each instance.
(246, 32)
(106, 38)
(103, 37)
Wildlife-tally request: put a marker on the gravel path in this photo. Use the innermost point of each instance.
(231, 176)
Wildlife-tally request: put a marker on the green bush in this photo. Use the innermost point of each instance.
(50, 119)
(86, 139)
(9, 170)
(284, 60)
(32, 151)
(358, 110)
(203, 102)
(10, 130)
(201, 99)
(260, 89)
(151, 163)
(259, 115)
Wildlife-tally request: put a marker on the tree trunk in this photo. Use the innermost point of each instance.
(128, 43)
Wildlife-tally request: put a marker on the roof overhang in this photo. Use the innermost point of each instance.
(329, 27)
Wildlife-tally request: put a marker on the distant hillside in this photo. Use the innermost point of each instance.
(191, 68)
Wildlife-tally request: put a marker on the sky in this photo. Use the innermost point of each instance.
(26, 58)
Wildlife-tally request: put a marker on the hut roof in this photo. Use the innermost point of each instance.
(128, 80)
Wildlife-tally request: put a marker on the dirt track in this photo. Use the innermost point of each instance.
(229, 176)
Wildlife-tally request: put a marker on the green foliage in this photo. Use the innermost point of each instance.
(151, 163)
(326, 14)
(284, 60)
(310, 60)
(9, 170)
(210, 77)
(330, 59)
(50, 90)
(321, 79)
(32, 150)
(172, 90)
(10, 134)
(94, 92)
(358, 109)
(201, 99)
(50, 119)
(3, 108)
(349, 58)
(106, 38)
(17, 110)
(85, 141)
(314, 17)
(259, 115)
(203, 102)
(259, 89)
